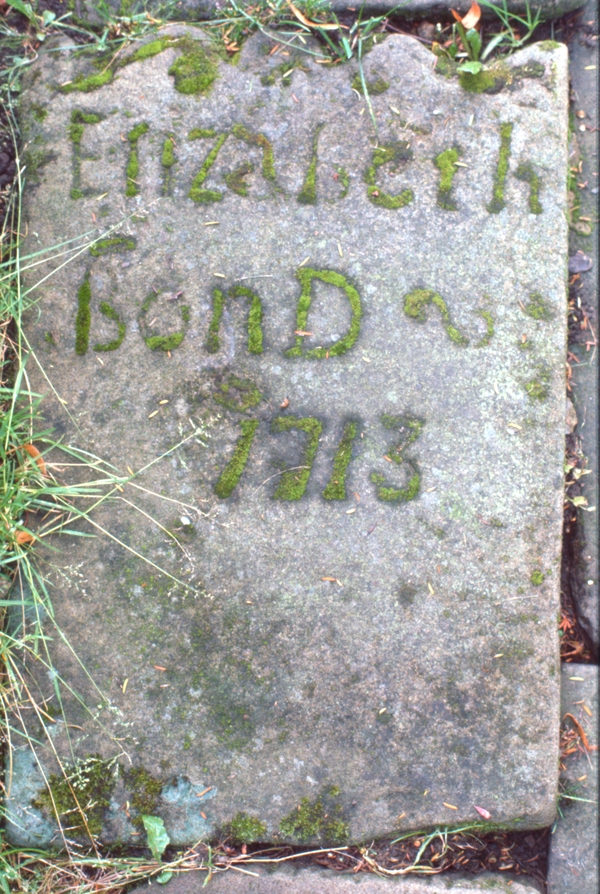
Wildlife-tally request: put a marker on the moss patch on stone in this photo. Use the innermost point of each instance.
(133, 165)
(260, 140)
(236, 180)
(245, 829)
(308, 193)
(538, 387)
(374, 88)
(155, 341)
(498, 203)
(489, 328)
(445, 162)
(79, 798)
(344, 179)
(145, 794)
(197, 193)
(84, 316)
(410, 428)
(110, 313)
(201, 133)
(415, 303)
(527, 173)
(88, 83)
(306, 276)
(394, 153)
(237, 394)
(292, 484)
(538, 308)
(537, 578)
(235, 467)
(255, 315)
(318, 820)
(336, 486)
(112, 244)
(196, 69)
(75, 130)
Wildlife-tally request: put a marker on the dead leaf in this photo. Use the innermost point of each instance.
(471, 19)
(582, 735)
(302, 18)
(35, 454)
(301, 332)
(483, 812)
(284, 404)
(24, 537)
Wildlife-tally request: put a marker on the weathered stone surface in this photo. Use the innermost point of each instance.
(371, 659)
(573, 860)
(314, 881)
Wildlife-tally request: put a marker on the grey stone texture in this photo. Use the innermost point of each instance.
(573, 859)
(286, 880)
(378, 662)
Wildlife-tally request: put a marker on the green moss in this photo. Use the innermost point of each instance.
(336, 486)
(88, 83)
(538, 388)
(293, 481)
(79, 119)
(49, 339)
(107, 311)
(151, 49)
(414, 307)
(238, 394)
(145, 794)
(112, 244)
(485, 81)
(498, 203)
(197, 193)
(168, 154)
(538, 308)
(160, 342)
(308, 193)
(445, 162)
(235, 467)
(236, 180)
(260, 140)
(39, 112)
(489, 328)
(196, 69)
(344, 179)
(283, 71)
(245, 829)
(33, 160)
(80, 798)
(394, 153)
(84, 316)
(316, 820)
(255, 336)
(410, 428)
(526, 172)
(548, 45)
(133, 165)
(374, 87)
(201, 133)
(306, 276)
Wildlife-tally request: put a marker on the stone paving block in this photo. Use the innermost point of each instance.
(315, 881)
(336, 359)
(573, 860)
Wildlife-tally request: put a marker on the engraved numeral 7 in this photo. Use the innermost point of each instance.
(293, 481)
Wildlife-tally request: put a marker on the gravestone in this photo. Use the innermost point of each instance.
(321, 339)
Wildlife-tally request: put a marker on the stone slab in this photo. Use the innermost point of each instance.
(380, 653)
(87, 10)
(573, 858)
(317, 881)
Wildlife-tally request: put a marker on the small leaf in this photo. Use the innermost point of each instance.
(474, 42)
(164, 877)
(48, 17)
(24, 537)
(35, 454)
(472, 67)
(472, 17)
(24, 8)
(483, 812)
(156, 834)
(578, 501)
